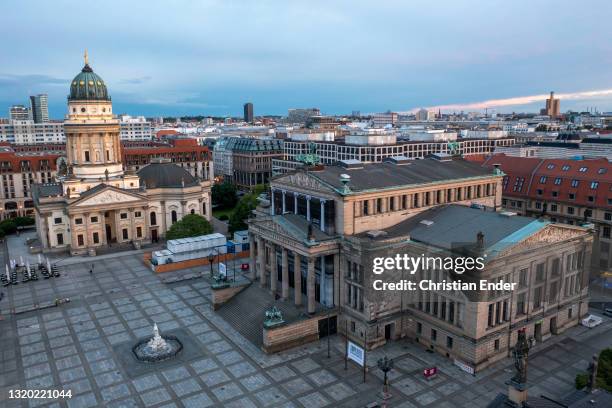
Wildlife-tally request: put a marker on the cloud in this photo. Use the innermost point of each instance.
(522, 100)
(27, 80)
(135, 81)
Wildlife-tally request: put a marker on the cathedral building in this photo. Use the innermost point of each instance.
(97, 203)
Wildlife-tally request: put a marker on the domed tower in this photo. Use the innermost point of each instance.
(93, 146)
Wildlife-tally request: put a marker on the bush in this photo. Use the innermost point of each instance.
(8, 227)
(23, 221)
(223, 217)
(191, 225)
(581, 380)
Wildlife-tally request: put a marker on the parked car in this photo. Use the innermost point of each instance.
(591, 321)
(608, 312)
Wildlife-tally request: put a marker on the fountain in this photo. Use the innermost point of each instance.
(157, 348)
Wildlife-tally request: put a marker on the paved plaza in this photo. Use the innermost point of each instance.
(77, 346)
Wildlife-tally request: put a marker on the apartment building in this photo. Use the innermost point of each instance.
(574, 192)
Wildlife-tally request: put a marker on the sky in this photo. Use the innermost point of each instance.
(201, 57)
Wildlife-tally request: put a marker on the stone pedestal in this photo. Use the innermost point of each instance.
(518, 395)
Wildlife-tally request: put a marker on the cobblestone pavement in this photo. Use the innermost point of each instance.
(77, 346)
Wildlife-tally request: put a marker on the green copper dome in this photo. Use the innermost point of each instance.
(87, 85)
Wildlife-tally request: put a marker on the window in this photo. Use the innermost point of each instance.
(192, 211)
(602, 170)
(555, 267)
(173, 216)
(539, 191)
(153, 218)
(137, 214)
(608, 216)
(138, 232)
(108, 155)
(520, 304)
(449, 342)
(555, 194)
(543, 180)
(125, 233)
(80, 240)
(605, 232)
(86, 155)
(94, 219)
(434, 334)
(123, 216)
(575, 183)
(60, 239)
(57, 220)
(419, 328)
(365, 207)
(537, 297)
(496, 345)
(538, 205)
(594, 185)
(540, 272)
(572, 196)
(570, 210)
(569, 313)
(558, 181)
(523, 277)
(96, 238)
(553, 207)
(583, 169)
(565, 167)
(353, 327)
(78, 221)
(550, 166)
(379, 205)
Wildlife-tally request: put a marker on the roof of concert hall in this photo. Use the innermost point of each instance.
(398, 173)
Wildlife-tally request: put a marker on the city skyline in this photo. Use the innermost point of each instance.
(196, 59)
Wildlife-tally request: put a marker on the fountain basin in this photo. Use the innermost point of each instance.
(145, 351)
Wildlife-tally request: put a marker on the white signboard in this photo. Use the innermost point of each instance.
(355, 353)
(222, 270)
(464, 367)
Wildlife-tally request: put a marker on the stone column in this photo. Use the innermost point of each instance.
(285, 274)
(261, 261)
(284, 203)
(323, 215)
(297, 277)
(273, 269)
(183, 209)
(163, 216)
(336, 301)
(419, 199)
(272, 202)
(44, 230)
(308, 208)
(310, 285)
(132, 224)
(252, 270)
(295, 203)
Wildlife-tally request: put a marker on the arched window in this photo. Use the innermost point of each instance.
(203, 208)
(153, 218)
(192, 211)
(173, 216)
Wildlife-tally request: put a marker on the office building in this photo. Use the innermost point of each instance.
(19, 112)
(39, 107)
(134, 128)
(248, 112)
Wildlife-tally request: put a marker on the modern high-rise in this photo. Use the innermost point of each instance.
(552, 106)
(40, 108)
(248, 112)
(19, 112)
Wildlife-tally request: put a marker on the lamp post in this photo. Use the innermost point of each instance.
(211, 259)
(385, 365)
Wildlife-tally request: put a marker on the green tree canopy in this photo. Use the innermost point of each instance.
(191, 225)
(224, 195)
(243, 210)
(604, 370)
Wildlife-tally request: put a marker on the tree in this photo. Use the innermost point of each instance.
(604, 370)
(244, 209)
(23, 221)
(8, 227)
(224, 195)
(191, 225)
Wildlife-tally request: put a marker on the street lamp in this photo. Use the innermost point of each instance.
(211, 259)
(385, 364)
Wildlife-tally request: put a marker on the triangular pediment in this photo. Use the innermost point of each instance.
(302, 180)
(550, 234)
(106, 196)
